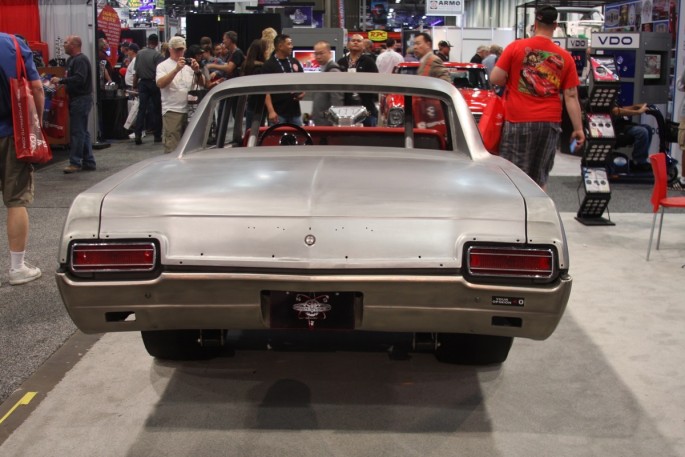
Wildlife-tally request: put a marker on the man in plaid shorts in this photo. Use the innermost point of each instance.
(535, 72)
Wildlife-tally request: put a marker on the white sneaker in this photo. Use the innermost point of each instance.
(23, 275)
(133, 135)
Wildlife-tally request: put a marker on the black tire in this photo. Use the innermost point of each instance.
(467, 349)
(177, 345)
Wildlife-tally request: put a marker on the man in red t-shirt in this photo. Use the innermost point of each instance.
(536, 72)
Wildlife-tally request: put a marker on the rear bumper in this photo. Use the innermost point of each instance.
(389, 303)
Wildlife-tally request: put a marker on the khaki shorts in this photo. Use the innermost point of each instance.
(16, 177)
(681, 134)
(174, 126)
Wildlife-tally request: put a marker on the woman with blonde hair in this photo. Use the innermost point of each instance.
(164, 50)
(268, 35)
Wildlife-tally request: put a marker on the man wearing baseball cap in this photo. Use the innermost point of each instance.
(535, 73)
(175, 77)
(131, 68)
(148, 93)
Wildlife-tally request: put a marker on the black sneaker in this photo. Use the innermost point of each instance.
(88, 168)
(139, 140)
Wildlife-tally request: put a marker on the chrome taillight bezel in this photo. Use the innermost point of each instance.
(549, 252)
(147, 245)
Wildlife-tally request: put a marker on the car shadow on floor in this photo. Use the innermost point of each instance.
(562, 389)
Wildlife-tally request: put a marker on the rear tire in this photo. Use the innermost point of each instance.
(177, 345)
(468, 349)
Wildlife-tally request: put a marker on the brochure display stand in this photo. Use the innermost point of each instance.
(600, 140)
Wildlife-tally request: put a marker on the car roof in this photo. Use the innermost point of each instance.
(371, 82)
(446, 64)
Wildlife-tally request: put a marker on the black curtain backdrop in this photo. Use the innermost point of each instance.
(248, 27)
(138, 36)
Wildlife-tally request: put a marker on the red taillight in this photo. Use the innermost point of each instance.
(94, 257)
(511, 262)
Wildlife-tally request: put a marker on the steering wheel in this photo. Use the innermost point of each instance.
(300, 130)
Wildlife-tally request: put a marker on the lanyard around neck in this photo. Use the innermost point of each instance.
(290, 66)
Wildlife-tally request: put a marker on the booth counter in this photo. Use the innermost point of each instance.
(56, 118)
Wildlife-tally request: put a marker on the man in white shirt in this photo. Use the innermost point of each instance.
(131, 69)
(388, 59)
(175, 77)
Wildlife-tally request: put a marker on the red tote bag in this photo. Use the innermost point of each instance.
(29, 139)
(490, 124)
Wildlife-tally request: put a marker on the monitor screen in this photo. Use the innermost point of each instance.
(652, 66)
(306, 58)
(603, 68)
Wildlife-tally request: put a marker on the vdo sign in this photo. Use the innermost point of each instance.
(576, 43)
(615, 40)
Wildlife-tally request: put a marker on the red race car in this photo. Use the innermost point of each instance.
(469, 78)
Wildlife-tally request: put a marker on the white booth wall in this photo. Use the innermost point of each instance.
(61, 18)
(465, 41)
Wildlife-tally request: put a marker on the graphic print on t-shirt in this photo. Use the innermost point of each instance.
(541, 73)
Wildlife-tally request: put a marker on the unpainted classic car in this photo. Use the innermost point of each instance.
(338, 229)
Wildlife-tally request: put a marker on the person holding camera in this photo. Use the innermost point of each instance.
(175, 77)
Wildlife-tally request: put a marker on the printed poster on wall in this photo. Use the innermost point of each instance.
(300, 15)
(623, 17)
(377, 14)
(110, 24)
(633, 16)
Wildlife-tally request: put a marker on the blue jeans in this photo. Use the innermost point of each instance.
(297, 120)
(642, 138)
(370, 121)
(150, 100)
(81, 146)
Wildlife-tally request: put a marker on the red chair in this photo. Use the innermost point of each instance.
(660, 198)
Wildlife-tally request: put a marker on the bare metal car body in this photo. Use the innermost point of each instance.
(233, 231)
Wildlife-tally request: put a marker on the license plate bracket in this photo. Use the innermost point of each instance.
(312, 310)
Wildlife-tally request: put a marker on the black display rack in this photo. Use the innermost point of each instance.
(600, 140)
